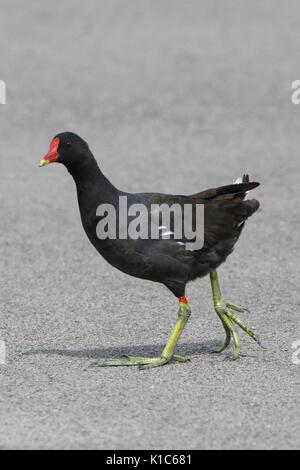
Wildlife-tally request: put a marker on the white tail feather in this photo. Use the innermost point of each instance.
(239, 180)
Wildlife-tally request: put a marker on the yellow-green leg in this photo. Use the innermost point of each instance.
(228, 318)
(168, 353)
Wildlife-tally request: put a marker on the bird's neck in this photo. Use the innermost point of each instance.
(87, 173)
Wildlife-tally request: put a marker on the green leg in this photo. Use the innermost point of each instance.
(227, 331)
(168, 352)
(228, 317)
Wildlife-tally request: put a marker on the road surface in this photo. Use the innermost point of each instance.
(176, 97)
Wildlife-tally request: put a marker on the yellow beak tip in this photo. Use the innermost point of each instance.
(43, 163)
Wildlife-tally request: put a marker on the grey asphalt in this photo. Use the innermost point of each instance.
(172, 96)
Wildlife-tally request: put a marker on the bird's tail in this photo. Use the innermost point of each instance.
(225, 212)
(238, 189)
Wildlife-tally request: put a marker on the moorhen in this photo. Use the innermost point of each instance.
(165, 259)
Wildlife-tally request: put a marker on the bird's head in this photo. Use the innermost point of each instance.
(67, 148)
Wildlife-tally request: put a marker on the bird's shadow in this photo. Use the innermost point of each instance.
(185, 349)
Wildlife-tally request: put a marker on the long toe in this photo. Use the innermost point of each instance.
(230, 314)
(180, 358)
(237, 308)
(135, 361)
(116, 363)
(142, 362)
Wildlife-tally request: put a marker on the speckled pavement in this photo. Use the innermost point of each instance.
(172, 96)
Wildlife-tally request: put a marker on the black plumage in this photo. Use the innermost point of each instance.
(164, 260)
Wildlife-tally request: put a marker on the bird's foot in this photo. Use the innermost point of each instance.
(142, 362)
(225, 311)
(168, 352)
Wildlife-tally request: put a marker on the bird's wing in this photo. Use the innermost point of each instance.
(170, 258)
(236, 190)
(225, 212)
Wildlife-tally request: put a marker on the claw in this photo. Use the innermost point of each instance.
(259, 344)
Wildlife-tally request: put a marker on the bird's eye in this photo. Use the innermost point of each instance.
(68, 144)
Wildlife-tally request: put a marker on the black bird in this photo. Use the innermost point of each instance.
(166, 258)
